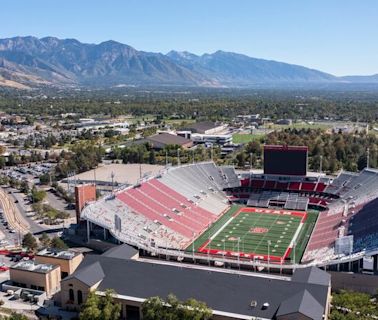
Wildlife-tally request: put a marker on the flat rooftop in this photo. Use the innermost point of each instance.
(34, 267)
(58, 254)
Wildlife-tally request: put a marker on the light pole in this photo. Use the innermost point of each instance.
(208, 252)
(269, 243)
(250, 161)
(294, 244)
(178, 157)
(194, 234)
(239, 252)
(224, 248)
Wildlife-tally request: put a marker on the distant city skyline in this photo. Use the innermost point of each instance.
(338, 37)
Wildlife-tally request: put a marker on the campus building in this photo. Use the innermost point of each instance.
(36, 276)
(67, 260)
(231, 296)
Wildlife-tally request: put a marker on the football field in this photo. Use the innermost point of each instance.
(256, 233)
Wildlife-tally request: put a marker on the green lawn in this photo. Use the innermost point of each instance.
(304, 236)
(245, 138)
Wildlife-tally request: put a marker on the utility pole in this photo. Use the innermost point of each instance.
(250, 161)
(178, 157)
(368, 158)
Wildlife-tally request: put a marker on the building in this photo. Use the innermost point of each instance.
(221, 139)
(231, 296)
(287, 122)
(67, 260)
(161, 140)
(83, 194)
(205, 127)
(36, 276)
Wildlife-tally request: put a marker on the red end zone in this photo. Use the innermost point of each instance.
(302, 214)
(253, 256)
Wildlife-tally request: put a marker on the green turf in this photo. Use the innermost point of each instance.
(280, 235)
(304, 235)
(258, 243)
(214, 227)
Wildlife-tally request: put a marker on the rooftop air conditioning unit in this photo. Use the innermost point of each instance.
(253, 304)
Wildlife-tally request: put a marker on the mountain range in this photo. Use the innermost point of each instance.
(27, 62)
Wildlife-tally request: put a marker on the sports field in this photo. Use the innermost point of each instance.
(254, 233)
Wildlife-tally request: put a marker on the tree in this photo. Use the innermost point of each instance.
(29, 242)
(44, 179)
(24, 187)
(241, 159)
(14, 316)
(90, 309)
(2, 162)
(58, 243)
(156, 308)
(38, 195)
(100, 308)
(45, 240)
(151, 157)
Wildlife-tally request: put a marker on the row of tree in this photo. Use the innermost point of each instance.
(106, 308)
(202, 103)
(334, 150)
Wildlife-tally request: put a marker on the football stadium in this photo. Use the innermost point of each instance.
(282, 217)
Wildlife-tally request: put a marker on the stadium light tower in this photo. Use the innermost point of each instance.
(112, 176)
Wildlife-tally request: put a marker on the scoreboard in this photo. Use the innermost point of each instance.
(285, 160)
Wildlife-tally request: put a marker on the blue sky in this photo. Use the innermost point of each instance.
(335, 36)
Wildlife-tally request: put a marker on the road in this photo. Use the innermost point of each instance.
(24, 208)
(35, 226)
(12, 214)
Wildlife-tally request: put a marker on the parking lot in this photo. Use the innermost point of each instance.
(29, 172)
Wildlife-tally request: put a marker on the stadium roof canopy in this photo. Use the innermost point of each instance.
(228, 294)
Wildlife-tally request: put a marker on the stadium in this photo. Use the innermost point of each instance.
(276, 219)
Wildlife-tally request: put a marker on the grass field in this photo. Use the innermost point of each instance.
(304, 236)
(255, 233)
(245, 137)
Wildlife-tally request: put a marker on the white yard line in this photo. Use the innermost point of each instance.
(221, 229)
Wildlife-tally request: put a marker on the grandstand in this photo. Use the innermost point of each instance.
(191, 208)
(168, 210)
